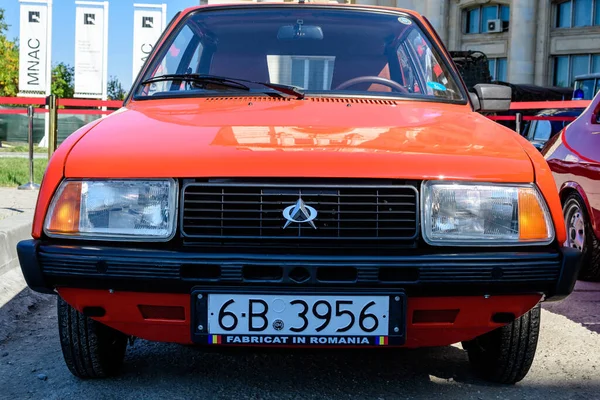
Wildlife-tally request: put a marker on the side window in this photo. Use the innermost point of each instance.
(409, 80)
(531, 130)
(542, 130)
(432, 72)
(588, 88)
(194, 67)
(174, 57)
(174, 61)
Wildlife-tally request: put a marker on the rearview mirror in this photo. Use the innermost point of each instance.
(493, 98)
(300, 32)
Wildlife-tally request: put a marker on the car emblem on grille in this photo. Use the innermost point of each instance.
(300, 213)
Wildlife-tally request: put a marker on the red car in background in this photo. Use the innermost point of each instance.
(574, 158)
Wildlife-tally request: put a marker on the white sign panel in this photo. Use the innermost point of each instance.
(147, 28)
(89, 52)
(33, 48)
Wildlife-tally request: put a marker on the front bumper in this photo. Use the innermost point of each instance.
(549, 272)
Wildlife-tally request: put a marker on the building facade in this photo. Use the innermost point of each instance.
(542, 42)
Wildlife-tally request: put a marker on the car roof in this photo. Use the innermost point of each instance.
(587, 76)
(564, 112)
(333, 4)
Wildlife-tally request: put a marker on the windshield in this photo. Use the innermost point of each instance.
(584, 89)
(321, 51)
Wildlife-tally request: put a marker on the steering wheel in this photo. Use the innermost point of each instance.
(372, 79)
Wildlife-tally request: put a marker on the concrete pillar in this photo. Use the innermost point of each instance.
(437, 13)
(542, 46)
(407, 4)
(523, 32)
(416, 5)
(454, 27)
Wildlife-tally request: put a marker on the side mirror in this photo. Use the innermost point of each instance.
(493, 98)
(475, 101)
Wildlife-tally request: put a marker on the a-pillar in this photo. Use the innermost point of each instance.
(523, 32)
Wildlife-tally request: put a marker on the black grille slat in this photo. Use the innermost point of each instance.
(254, 211)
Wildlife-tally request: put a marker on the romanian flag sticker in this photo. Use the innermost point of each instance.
(216, 339)
(382, 340)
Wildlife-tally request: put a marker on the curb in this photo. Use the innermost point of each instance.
(13, 230)
(16, 299)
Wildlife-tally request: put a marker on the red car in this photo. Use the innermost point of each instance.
(574, 158)
(300, 175)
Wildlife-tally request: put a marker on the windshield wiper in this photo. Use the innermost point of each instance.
(200, 79)
(285, 89)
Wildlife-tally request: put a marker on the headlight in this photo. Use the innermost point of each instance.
(113, 210)
(464, 214)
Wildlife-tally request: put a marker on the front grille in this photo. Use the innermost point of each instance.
(245, 212)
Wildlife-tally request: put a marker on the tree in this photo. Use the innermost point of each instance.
(9, 61)
(115, 89)
(62, 80)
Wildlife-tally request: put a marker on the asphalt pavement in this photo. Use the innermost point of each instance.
(567, 366)
(15, 202)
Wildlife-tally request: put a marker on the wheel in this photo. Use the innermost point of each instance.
(505, 355)
(581, 236)
(90, 349)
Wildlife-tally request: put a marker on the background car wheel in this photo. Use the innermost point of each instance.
(581, 236)
(505, 355)
(90, 349)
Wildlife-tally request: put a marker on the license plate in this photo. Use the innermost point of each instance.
(297, 319)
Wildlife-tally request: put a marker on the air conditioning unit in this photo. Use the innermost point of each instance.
(494, 26)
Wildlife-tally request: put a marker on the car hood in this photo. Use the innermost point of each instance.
(271, 137)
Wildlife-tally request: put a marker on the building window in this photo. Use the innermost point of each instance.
(563, 15)
(566, 68)
(476, 19)
(307, 72)
(577, 13)
(497, 69)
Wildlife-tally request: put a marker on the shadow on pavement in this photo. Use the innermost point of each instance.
(18, 308)
(159, 371)
(582, 306)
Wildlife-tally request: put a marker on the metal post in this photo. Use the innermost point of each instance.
(30, 185)
(105, 58)
(53, 128)
(519, 121)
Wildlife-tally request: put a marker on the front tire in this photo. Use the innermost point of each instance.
(580, 236)
(90, 349)
(505, 355)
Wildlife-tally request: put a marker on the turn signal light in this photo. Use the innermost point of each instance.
(67, 205)
(533, 224)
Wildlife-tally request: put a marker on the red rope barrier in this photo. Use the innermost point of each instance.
(519, 105)
(40, 101)
(34, 101)
(86, 112)
(530, 118)
(502, 117)
(22, 111)
(547, 118)
(538, 105)
(90, 103)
